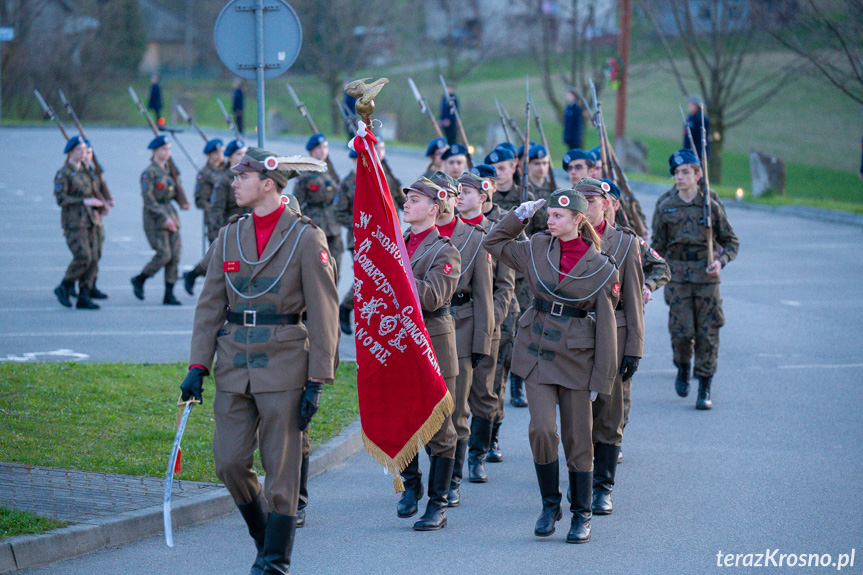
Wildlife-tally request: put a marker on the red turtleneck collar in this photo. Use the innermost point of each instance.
(264, 226)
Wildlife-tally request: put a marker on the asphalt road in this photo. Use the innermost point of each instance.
(775, 465)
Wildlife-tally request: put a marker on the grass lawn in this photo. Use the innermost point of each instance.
(121, 418)
(22, 523)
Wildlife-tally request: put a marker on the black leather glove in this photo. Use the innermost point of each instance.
(309, 403)
(475, 358)
(628, 367)
(193, 385)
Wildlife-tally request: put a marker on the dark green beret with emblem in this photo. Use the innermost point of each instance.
(592, 187)
(280, 169)
(446, 182)
(568, 199)
(474, 181)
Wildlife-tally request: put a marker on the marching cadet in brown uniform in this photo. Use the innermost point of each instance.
(161, 222)
(270, 368)
(538, 182)
(99, 189)
(436, 265)
(566, 348)
(622, 246)
(205, 183)
(472, 309)
(434, 151)
(695, 306)
(73, 190)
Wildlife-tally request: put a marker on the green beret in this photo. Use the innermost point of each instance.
(446, 182)
(258, 160)
(428, 188)
(291, 201)
(592, 187)
(474, 181)
(568, 199)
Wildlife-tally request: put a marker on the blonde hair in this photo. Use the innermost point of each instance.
(585, 228)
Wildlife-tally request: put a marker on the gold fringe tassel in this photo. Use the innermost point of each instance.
(423, 435)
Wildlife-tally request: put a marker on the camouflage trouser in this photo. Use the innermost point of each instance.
(100, 243)
(85, 248)
(169, 247)
(694, 317)
(627, 400)
(337, 248)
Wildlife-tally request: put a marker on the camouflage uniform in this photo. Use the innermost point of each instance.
(223, 203)
(98, 185)
(543, 192)
(158, 189)
(316, 191)
(667, 194)
(71, 187)
(205, 184)
(695, 313)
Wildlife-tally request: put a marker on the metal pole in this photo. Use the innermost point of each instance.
(625, 12)
(259, 45)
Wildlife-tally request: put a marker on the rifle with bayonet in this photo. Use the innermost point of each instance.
(688, 129)
(424, 108)
(172, 167)
(538, 121)
(708, 216)
(502, 120)
(103, 192)
(347, 117)
(526, 154)
(600, 126)
(228, 119)
(304, 112)
(454, 111)
(191, 121)
(513, 126)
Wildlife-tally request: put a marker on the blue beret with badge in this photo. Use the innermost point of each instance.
(537, 152)
(454, 150)
(484, 171)
(613, 190)
(157, 142)
(315, 141)
(520, 153)
(680, 157)
(568, 199)
(506, 146)
(595, 154)
(73, 142)
(499, 155)
(434, 146)
(233, 146)
(213, 145)
(573, 155)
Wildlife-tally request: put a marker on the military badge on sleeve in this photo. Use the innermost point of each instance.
(447, 268)
(325, 257)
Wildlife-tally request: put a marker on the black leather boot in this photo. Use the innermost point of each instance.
(189, 278)
(72, 291)
(84, 301)
(279, 543)
(581, 484)
(169, 298)
(516, 391)
(304, 492)
(96, 293)
(138, 285)
(440, 476)
(255, 515)
(604, 470)
(345, 320)
(681, 384)
(704, 401)
(454, 497)
(62, 293)
(480, 439)
(413, 480)
(549, 488)
(495, 455)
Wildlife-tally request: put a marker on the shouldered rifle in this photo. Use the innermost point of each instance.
(424, 108)
(346, 116)
(708, 219)
(454, 110)
(191, 121)
(172, 167)
(525, 153)
(103, 193)
(688, 130)
(538, 121)
(513, 126)
(304, 112)
(600, 126)
(228, 119)
(502, 120)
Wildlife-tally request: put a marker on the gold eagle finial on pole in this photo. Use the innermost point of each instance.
(364, 93)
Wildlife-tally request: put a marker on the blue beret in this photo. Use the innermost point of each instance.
(233, 146)
(213, 145)
(499, 155)
(575, 154)
(484, 171)
(613, 189)
(680, 157)
(595, 154)
(157, 142)
(506, 146)
(73, 141)
(315, 141)
(89, 145)
(537, 152)
(434, 146)
(454, 150)
(520, 153)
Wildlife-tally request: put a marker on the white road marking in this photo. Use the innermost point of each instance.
(92, 333)
(34, 356)
(791, 302)
(106, 308)
(823, 366)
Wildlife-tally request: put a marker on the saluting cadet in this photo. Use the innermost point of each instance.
(73, 191)
(434, 153)
(695, 306)
(577, 164)
(472, 310)
(538, 182)
(566, 348)
(161, 221)
(316, 191)
(205, 183)
(100, 187)
(436, 265)
(270, 369)
(454, 160)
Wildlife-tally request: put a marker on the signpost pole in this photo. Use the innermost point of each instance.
(259, 49)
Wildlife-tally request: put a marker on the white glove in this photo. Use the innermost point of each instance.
(592, 395)
(527, 209)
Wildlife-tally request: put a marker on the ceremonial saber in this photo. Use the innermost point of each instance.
(172, 463)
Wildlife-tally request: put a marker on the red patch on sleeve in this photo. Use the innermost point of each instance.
(228, 267)
(447, 268)
(489, 257)
(654, 253)
(160, 186)
(325, 257)
(615, 289)
(314, 187)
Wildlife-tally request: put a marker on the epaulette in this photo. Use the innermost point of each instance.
(306, 220)
(236, 218)
(610, 258)
(478, 226)
(626, 230)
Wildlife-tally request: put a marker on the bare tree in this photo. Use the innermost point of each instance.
(720, 47)
(462, 45)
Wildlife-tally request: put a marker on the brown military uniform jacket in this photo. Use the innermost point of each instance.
(474, 321)
(268, 358)
(656, 270)
(681, 238)
(223, 202)
(622, 246)
(316, 191)
(206, 182)
(576, 353)
(71, 188)
(158, 189)
(437, 266)
(503, 285)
